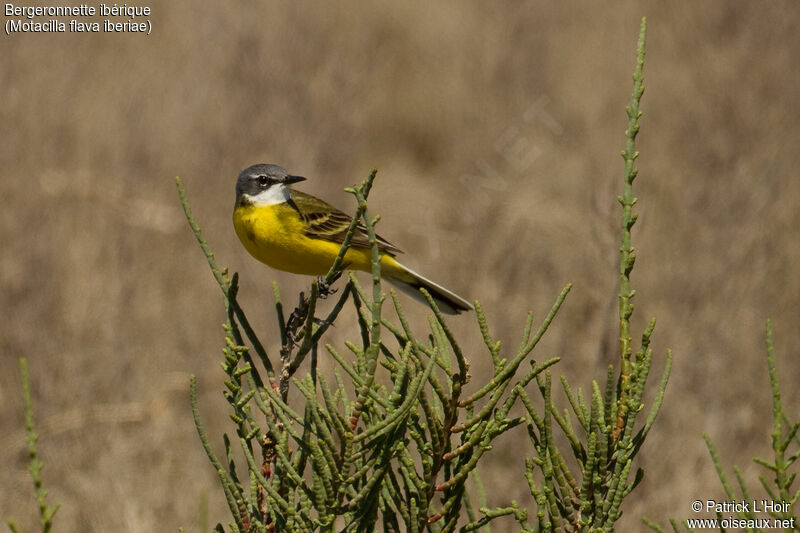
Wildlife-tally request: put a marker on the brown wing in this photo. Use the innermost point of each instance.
(329, 224)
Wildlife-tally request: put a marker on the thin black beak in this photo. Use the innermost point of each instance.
(288, 180)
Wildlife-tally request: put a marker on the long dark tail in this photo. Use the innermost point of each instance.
(448, 301)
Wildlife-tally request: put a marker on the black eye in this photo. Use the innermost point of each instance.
(262, 180)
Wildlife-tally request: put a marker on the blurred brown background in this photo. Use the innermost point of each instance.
(499, 126)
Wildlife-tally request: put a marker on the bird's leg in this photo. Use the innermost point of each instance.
(326, 289)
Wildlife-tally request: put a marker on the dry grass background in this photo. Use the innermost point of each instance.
(105, 291)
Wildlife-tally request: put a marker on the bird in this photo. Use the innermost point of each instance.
(295, 232)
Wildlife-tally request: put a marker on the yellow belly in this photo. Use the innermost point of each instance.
(274, 235)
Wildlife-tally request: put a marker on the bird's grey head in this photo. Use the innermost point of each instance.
(264, 185)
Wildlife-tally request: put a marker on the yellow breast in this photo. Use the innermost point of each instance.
(274, 234)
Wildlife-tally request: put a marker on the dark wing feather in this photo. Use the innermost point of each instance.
(329, 224)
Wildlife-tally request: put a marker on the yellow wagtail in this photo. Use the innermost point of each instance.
(296, 232)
